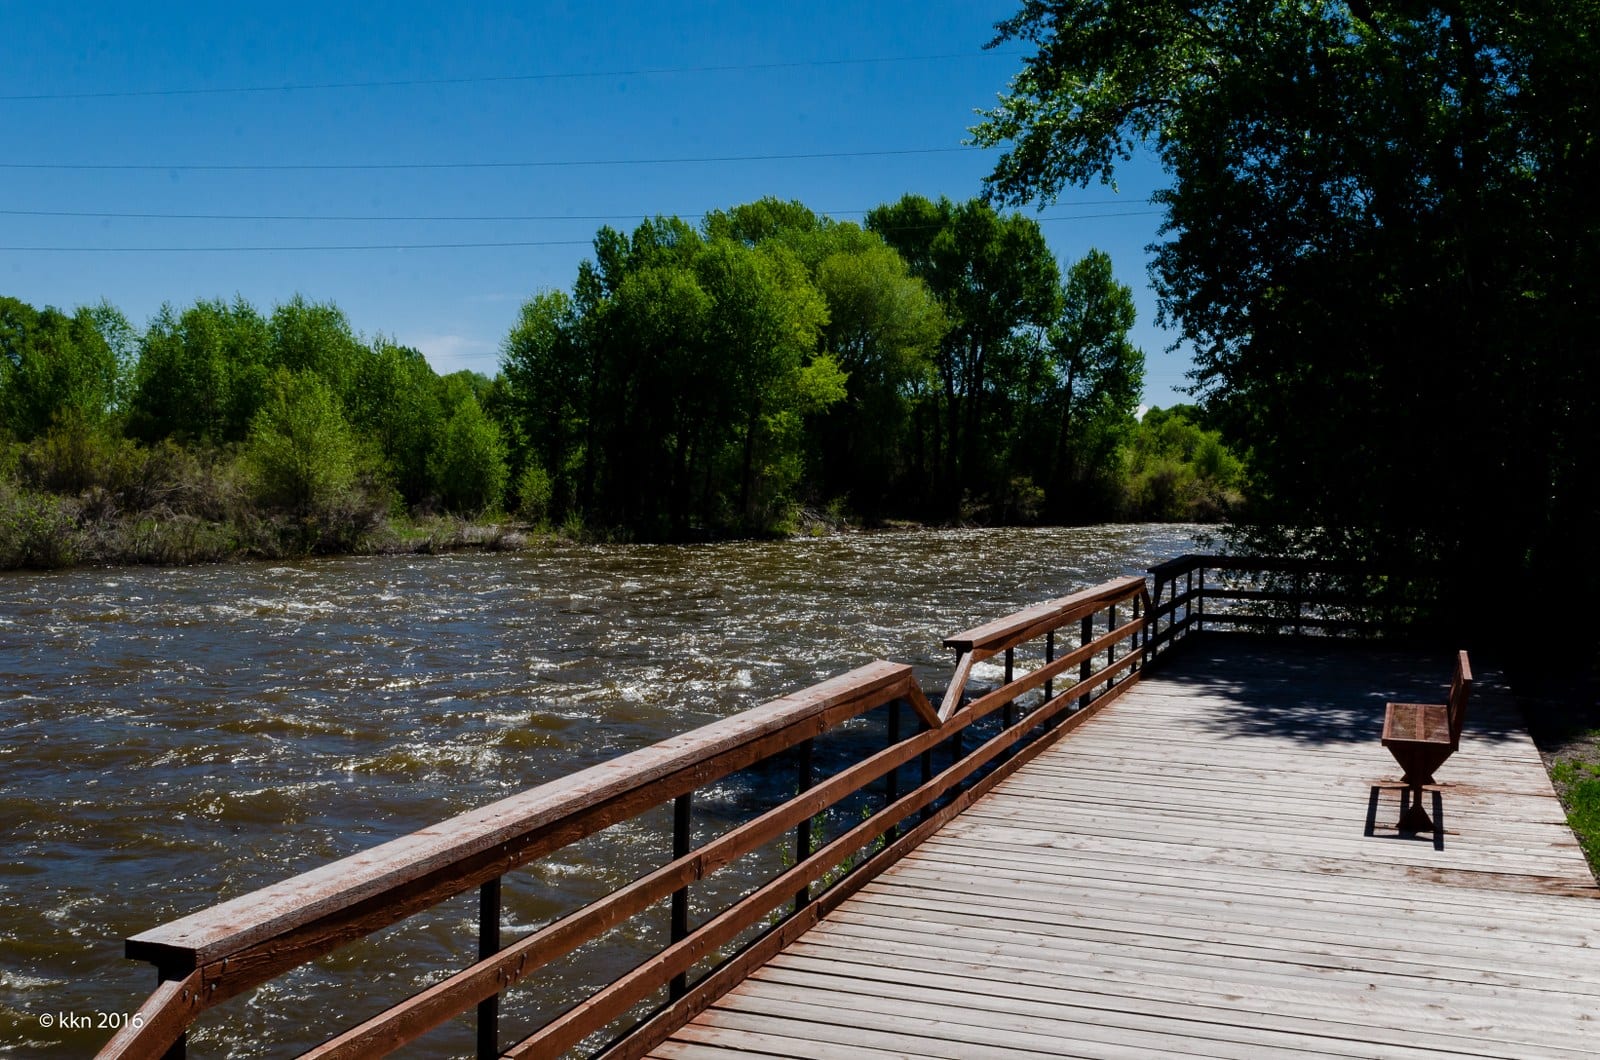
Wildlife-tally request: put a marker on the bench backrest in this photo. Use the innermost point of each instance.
(1460, 688)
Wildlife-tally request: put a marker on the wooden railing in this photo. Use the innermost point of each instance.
(1063, 660)
(1290, 596)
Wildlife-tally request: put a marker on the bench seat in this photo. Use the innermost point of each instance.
(1416, 723)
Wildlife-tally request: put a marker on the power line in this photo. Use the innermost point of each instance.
(297, 249)
(550, 164)
(410, 246)
(571, 75)
(425, 217)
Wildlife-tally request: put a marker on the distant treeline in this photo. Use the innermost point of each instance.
(696, 381)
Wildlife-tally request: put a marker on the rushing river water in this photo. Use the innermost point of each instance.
(173, 737)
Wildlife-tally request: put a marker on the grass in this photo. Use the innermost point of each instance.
(1577, 781)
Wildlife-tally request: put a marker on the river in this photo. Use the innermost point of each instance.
(170, 738)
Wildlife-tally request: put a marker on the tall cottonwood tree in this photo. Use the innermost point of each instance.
(1095, 380)
(994, 276)
(686, 363)
(1381, 239)
(883, 329)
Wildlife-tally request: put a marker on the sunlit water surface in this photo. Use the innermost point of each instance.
(173, 737)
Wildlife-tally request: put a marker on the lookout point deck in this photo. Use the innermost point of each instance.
(1144, 840)
(1210, 868)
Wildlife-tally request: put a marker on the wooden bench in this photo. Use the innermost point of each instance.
(1421, 736)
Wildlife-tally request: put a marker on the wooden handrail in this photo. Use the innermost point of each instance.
(1275, 594)
(947, 785)
(509, 830)
(1003, 634)
(150, 1032)
(404, 1022)
(246, 941)
(994, 637)
(218, 952)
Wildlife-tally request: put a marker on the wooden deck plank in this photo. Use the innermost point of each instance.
(1330, 1029)
(1463, 955)
(1194, 873)
(1364, 896)
(1404, 919)
(1260, 988)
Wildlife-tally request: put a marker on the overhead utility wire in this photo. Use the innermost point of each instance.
(410, 246)
(569, 75)
(436, 217)
(550, 164)
(322, 246)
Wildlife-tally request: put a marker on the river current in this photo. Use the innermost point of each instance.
(170, 738)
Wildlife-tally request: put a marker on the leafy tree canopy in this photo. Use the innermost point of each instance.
(1381, 240)
(55, 365)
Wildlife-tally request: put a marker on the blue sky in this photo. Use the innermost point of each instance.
(501, 100)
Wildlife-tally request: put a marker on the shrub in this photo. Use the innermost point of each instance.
(37, 530)
(468, 466)
(533, 494)
(300, 452)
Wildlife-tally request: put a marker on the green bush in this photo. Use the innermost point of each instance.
(37, 530)
(533, 494)
(300, 453)
(468, 466)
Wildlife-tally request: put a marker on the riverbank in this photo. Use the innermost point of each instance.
(50, 531)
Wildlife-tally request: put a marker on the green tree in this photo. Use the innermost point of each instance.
(54, 365)
(883, 330)
(394, 400)
(994, 276)
(546, 365)
(1095, 380)
(760, 339)
(1178, 470)
(884, 327)
(468, 465)
(658, 399)
(201, 373)
(1381, 240)
(315, 337)
(765, 220)
(301, 453)
(668, 395)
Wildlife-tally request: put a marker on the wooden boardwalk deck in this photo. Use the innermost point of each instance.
(1209, 868)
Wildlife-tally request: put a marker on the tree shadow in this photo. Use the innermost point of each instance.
(1317, 691)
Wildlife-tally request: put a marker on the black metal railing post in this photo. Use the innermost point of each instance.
(1111, 625)
(1188, 601)
(1139, 639)
(488, 946)
(682, 829)
(892, 780)
(927, 770)
(1011, 705)
(1085, 668)
(1049, 657)
(802, 832)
